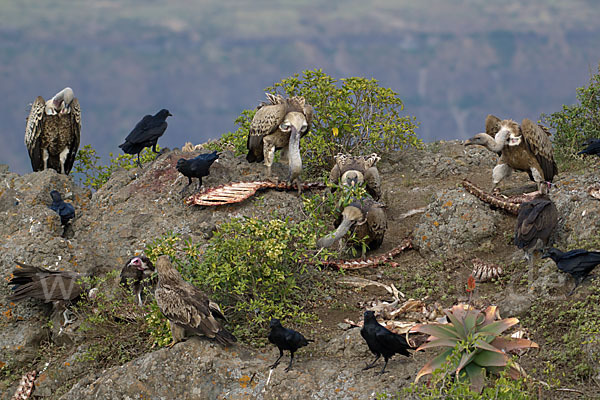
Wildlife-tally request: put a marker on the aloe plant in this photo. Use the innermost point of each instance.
(475, 336)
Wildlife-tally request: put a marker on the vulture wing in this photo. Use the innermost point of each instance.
(308, 113)
(265, 121)
(373, 182)
(33, 131)
(537, 220)
(492, 125)
(75, 135)
(539, 144)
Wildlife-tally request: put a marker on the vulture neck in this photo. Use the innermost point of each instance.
(295, 162)
(341, 230)
(498, 142)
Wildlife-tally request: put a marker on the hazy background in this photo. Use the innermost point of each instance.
(451, 61)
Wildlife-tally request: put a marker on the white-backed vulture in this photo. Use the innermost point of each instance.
(188, 309)
(279, 124)
(352, 170)
(526, 147)
(368, 219)
(52, 132)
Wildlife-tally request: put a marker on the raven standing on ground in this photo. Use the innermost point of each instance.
(196, 167)
(286, 339)
(146, 134)
(593, 147)
(578, 263)
(66, 211)
(382, 341)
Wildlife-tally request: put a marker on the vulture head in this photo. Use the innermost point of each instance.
(350, 216)
(61, 102)
(511, 129)
(353, 178)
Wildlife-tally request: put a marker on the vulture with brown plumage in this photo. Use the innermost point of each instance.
(368, 219)
(188, 309)
(279, 124)
(536, 222)
(526, 147)
(52, 132)
(351, 170)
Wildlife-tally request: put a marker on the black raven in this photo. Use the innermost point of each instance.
(593, 147)
(137, 272)
(146, 133)
(66, 211)
(382, 341)
(285, 339)
(578, 263)
(196, 167)
(535, 223)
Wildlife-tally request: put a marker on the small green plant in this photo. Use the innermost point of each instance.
(578, 122)
(472, 344)
(94, 175)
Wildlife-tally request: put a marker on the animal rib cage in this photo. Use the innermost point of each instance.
(237, 192)
(372, 261)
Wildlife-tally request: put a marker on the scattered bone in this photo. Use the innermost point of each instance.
(362, 282)
(594, 191)
(412, 212)
(485, 271)
(25, 387)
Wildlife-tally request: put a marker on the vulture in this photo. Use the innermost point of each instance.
(526, 147)
(368, 219)
(592, 147)
(536, 221)
(137, 275)
(279, 124)
(285, 339)
(352, 170)
(196, 167)
(382, 341)
(578, 263)
(146, 134)
(52, 132)
(188, 309)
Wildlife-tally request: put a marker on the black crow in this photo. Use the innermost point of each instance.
(593, 147)
(536, 221)
(137, 272)
(146, 133)
(66, 211)
(285, 339)
(196, 167)
(579, 263)
(382, 341)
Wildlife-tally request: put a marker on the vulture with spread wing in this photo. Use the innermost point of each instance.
(52, 132)
(526, 147)
(352, 170)
(188, 309)
(279, 124)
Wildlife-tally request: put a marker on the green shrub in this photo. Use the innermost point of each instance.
(353, 115)
(94, 175)
(577, 122)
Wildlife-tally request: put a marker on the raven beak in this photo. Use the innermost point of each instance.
(546, 255)
(169, 114)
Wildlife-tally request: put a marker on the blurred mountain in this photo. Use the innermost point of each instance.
(451, 62)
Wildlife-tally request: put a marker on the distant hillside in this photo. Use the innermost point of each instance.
(206, 60)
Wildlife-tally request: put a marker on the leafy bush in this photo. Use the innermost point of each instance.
(94, 175)
(472, 344)
(254, 268)
(577, 122)
(353, 115)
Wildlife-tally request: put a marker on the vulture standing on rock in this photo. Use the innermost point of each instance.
(368, 219)
(138, 272)
(279, 124)
(524, 148)
(187, 308)
(53, 131)
(536, 221)
(352, 170)
(146, 134)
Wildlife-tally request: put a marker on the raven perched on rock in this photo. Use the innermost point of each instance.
(146, 134)
(578, 263)
(593, 147)
(285, 339)
(382, 341)
(66, 211)
(196, 167)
